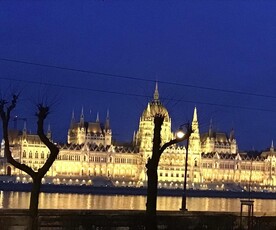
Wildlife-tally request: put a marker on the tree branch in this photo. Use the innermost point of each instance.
(42, 113)
(5, 116)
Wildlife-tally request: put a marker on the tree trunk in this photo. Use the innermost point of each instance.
(151, 197)
(34, 203)
(152, 166)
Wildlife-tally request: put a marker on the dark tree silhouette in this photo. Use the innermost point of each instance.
(6, 108)
(152, 166)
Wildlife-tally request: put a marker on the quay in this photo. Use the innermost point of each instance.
(112, 190)
(50, 219)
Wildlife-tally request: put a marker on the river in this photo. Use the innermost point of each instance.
(20, 200)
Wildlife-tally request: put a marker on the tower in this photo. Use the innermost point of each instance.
(194, 149)
(107, 130)
(89, 132)
(144, 135)
(81, 129)
(194, 140)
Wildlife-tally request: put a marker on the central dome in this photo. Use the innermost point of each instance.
(155, 107)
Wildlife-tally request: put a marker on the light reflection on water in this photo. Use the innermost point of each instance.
(20, 200)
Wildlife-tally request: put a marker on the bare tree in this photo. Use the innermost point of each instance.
(6, 108)
(152, 167)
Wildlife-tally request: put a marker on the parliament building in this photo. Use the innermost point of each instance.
(91, 157)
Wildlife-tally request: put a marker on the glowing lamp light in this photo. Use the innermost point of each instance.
(180, 134)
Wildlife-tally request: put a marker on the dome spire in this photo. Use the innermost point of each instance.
(156, 93)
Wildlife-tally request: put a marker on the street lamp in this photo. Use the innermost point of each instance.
(180, 134)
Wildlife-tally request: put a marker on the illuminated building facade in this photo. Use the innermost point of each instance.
(214, 161)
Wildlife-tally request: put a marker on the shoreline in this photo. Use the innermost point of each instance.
(141, 191)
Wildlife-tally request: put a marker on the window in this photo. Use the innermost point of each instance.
(36, 154)
(30, 155)
(24, 153)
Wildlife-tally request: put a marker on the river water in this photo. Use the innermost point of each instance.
(20, 200)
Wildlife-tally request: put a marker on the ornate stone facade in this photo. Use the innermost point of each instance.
(214, 161)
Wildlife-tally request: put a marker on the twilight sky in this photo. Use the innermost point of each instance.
(218, 55)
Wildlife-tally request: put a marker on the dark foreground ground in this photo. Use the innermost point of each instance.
(130, 220)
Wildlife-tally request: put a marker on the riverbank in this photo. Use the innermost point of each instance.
(105, 190)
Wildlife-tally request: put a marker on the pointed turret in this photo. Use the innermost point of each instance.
(194, 140)
(195, 115)
(72, 119)
(272, 146)
(134, 138)
(25, 128)
(210, 131)
(195, 122)
(82, 117)
(107, 121)
(98, 117)
(232, 134)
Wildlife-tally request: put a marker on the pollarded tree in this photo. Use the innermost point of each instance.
(152, 168)
(6, 108)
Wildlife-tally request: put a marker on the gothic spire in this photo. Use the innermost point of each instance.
(133, 138)
(72, 119)
(195, 122)
(195, 115)
(82, 116)
(156, 93)
(25, 127)
(232, 134)
(272, 146)
(210, 128)
(194, 140)
(98, 117)
(107, 122)
(49, 128)
(49, 132)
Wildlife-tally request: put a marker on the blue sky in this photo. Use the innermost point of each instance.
(223, 45)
